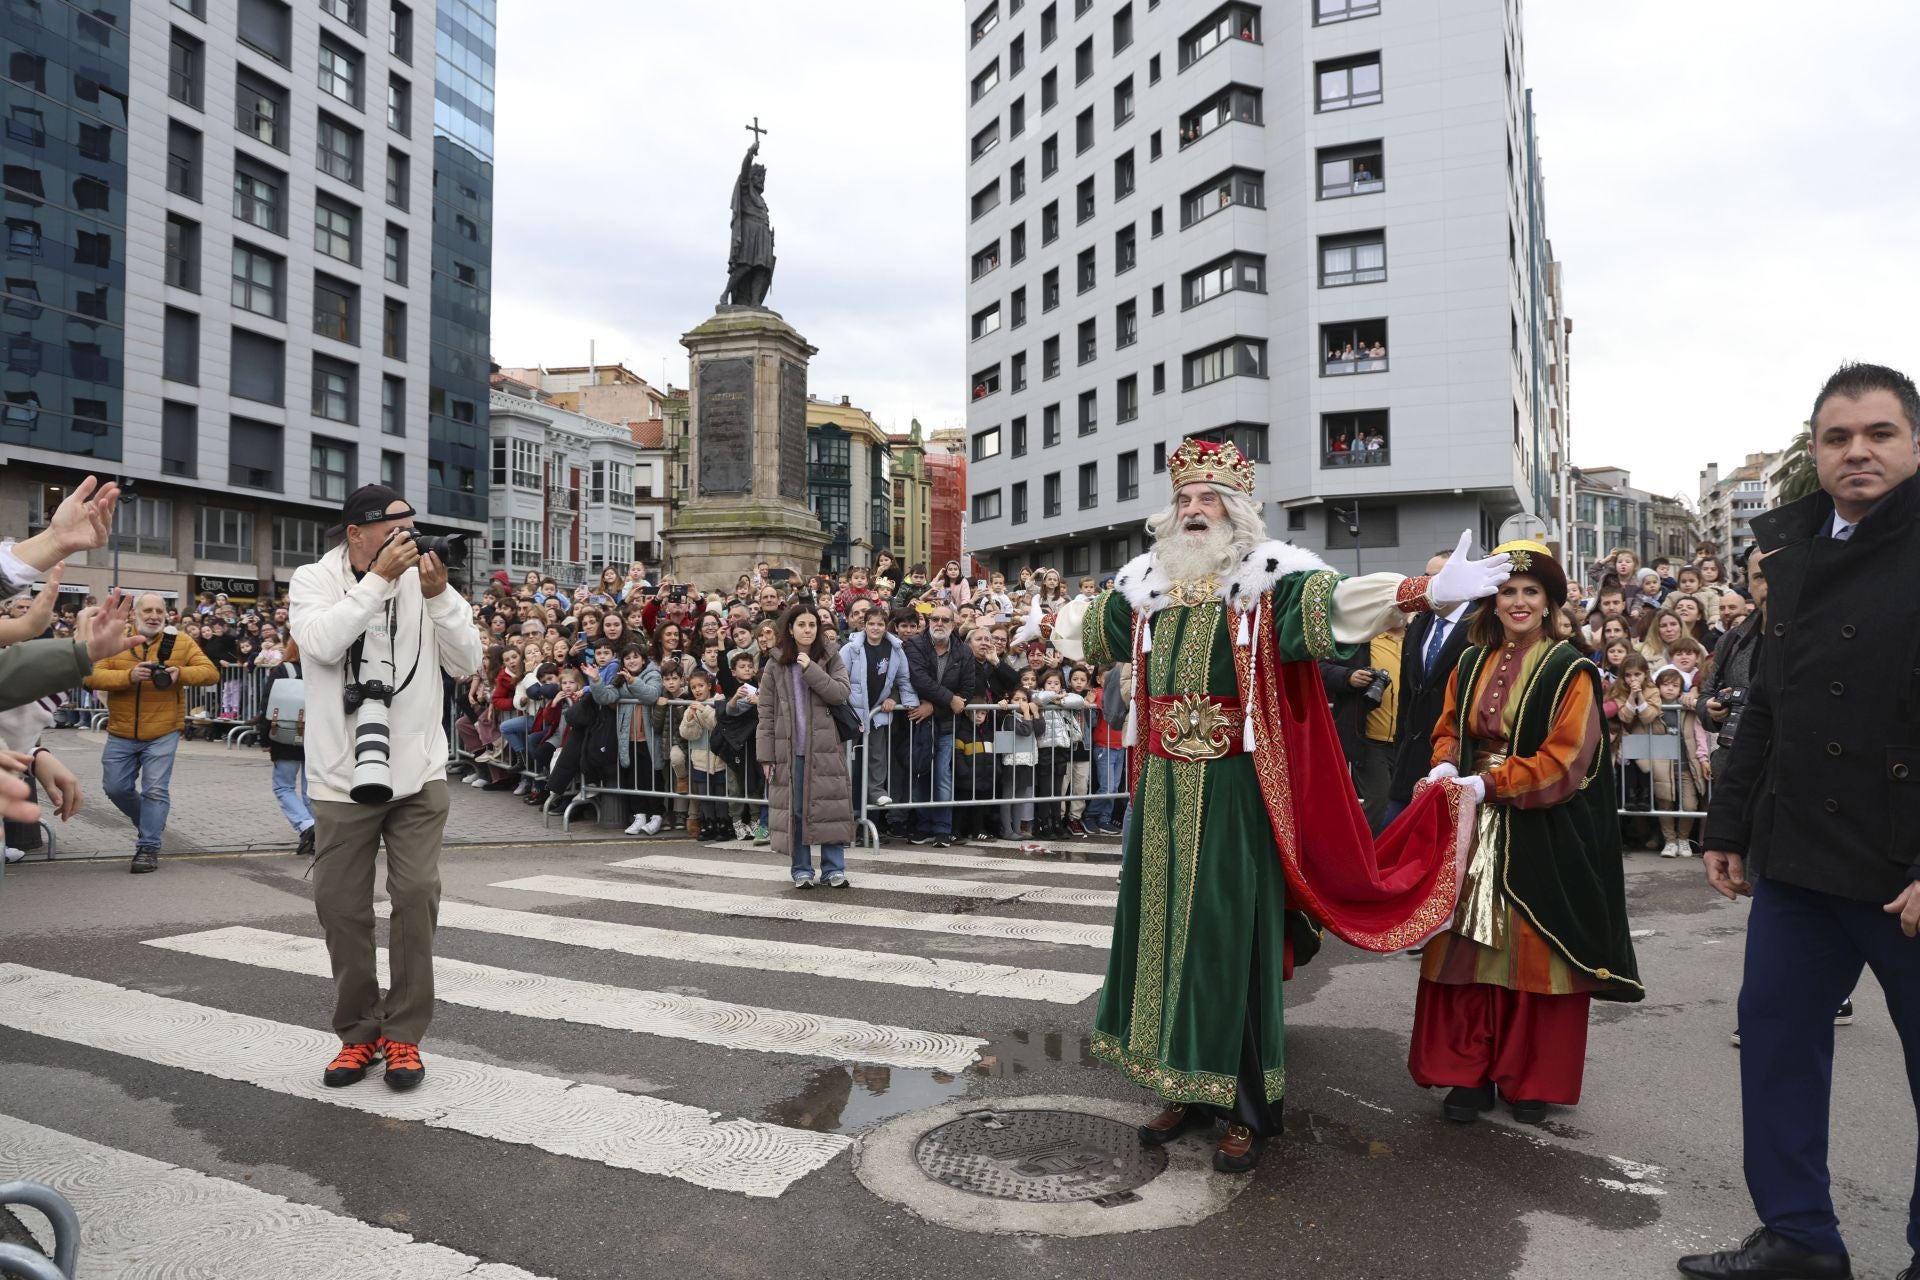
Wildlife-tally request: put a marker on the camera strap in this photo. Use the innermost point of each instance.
(356, 652)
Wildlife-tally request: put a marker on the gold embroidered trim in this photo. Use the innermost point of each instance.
(1189, 793)
(1182, 1086)
(1316, 612)
(1093, 634)
(1150, 953)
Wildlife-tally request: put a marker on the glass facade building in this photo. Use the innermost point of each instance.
(63, 274)
(464, 42)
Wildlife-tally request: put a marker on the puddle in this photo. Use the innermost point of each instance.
(853, 1097)
(1324, 1131)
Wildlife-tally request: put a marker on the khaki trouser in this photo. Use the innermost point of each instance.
(348, 836)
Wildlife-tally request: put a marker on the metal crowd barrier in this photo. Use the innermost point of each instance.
(25, 1260)
(1647, 764)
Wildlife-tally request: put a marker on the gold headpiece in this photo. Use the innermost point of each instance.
(1210, 462)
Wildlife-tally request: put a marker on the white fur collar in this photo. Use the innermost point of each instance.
(1145, 584)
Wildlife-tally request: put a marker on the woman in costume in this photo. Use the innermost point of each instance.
(1541, 925)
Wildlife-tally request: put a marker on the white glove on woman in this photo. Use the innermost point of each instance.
(1445, 769)
(1461, 579)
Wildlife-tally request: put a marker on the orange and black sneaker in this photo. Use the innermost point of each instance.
(350, 1067)
(404, 1068)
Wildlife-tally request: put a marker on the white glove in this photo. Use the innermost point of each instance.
(1445, 769)
(1030, 629)
(1461, 579)
(1476, 784)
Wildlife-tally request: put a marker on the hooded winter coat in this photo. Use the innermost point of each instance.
(829, 790)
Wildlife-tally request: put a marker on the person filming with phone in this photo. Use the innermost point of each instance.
(377, 628)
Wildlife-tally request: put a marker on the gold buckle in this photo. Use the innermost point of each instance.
(1194, 728)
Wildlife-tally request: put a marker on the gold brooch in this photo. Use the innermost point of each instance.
(1193, 727)
(1193, 594)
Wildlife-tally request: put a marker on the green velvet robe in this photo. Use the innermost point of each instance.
(1202, 892)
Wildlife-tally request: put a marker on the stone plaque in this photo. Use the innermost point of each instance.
(725, 428)
(793, 431)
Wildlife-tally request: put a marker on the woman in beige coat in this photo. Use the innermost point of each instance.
(809, 794)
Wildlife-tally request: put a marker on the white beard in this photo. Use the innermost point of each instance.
(1183, 557)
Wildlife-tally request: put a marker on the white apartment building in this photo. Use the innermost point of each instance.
(562, 488)
(1315, 228)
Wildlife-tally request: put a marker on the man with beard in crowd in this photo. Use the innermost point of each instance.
(1238, 761)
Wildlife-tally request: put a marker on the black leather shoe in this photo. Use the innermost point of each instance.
(1464, 1105)
(1529, 1112)
(1765, 1255)
(145, 860)
(1913, 1270)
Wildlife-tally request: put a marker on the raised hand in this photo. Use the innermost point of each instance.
(1461, 579)
(103, 629)
(39, 615)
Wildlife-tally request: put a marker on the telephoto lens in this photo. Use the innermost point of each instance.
(451, 548)
(372, 754)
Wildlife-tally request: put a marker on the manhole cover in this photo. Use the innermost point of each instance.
(1046, 1157)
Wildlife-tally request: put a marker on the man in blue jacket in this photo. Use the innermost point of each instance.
(877, 669)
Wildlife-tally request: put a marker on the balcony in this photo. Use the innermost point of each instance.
(562, 501)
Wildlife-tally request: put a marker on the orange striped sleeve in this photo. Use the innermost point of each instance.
(1552, 774)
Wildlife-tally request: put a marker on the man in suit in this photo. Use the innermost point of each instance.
(1428, 656)
(1817, 812)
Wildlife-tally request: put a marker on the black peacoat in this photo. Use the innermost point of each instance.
(1821, 788)
(1422, 698)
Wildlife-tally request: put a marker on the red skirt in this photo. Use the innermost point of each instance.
(1534, 1047)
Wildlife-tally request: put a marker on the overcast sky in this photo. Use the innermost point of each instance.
(1730, 185)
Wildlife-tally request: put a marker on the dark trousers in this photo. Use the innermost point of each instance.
(1805, 950)
(1372, 775)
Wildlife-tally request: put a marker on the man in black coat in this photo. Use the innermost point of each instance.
(1818, 813)
(944, 675)
(1428, 656)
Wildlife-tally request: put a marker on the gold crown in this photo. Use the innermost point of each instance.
(1210, 462)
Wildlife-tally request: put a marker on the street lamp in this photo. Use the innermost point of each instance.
(1352, 516)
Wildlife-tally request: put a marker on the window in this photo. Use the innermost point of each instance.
(399, 106)
(1123, 175)
(1049, 91)
(347, 11)
(1050, 222)
(1228, 22)
(1017, 180)
(1085, 270)
(1153, 146)
(257, 279)
(337, 148)
(1083, 132)
(266, 26)
(1050, 156)
(186, 69)
(257, 195)
(986, 506)
(1017, 118)
(984, 83)
(1127, 478)
(1050, 495)
(339, 72)
(400, 31)
(258, 367)
(1016, 56)
(1234, 103)
(1018, 371)
(1250, 438)
(331, 477)
(195, 7)
(1354, 439)
(183, 160)
(986, 198)
(1379, 526)
(1159, 458)
(1049, 25)
(1050, 428)
(254, 459)
(1017, 242)
(1237, 357)
(297, 542)
(1083, 61)
(1156, 224)
(1087, 342)
(1297, 519)
(986, 382)
(1126, 398)
(1089, 485)
(1089, 412)
(1159, 298)
(1017, 308)
(1357, 170)
(1050, 358)
(1359, 258)
(336, 307)
(1247, 271)
(221, 533)
(179, 439)
(398, 178)
(1126, 323)
(1348, 82)
(393, 470)
(1235, 186)
(1122, 27)
(1083, 201)
(395, 268)
(1050, 289)
(1020, 502)
(181, 349)
(393, 329)
(1159, 378)
(1153, 69)
(183, 253)
(1123, 102)
(986, 321)
(986, 444)
(988, 259)
(525, 473)
(1326, 11)
(393, 405)
(260, 109)
(1354, 346)
(1125, 251)
(987, 21)
(1019, 446)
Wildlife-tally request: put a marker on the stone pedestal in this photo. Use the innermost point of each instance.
(747, 490)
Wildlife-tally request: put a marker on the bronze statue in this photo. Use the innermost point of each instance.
(750, 256)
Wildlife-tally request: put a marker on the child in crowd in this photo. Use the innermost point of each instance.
(1638, 704)
(1021, 722)
(1059, 733)
(1080, 758)
(737, 735)
(707, 773)
(670, 767)
(1677, 784)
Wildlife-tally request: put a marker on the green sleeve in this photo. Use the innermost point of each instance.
(35, 668)
(1108, 630)
(1303, 617)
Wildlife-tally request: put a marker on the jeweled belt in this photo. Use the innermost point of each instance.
(1194, 726)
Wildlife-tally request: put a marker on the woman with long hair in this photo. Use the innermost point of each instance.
(1541, 924)
(1693, 619)
(1666, 630)
(809, 790)
(612, 588)
(613, 631)
(669, 648)
(475, 695)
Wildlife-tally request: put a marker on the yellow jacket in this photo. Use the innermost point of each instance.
(140, 711)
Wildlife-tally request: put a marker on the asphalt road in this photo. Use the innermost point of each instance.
(1367, 1182)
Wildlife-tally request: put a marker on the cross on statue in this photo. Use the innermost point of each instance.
(755, 129)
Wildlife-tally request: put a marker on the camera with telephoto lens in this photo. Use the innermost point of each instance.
(368, 702)
(451, 547)
(157, 669)
(1377, 687)
(1735, 701)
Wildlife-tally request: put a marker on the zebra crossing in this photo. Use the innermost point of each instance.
(615, 1128)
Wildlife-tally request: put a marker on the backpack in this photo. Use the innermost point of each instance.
(597, 728)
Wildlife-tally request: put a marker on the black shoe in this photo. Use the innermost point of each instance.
(1175, 1119)
(145, 860)
(1913, 1270)
(921, 837)
(504, 784)
(1529, 1112)
(941, 842)
(1765, 1255)
(306, 843)
(1844, 1018)
(1464, 1105)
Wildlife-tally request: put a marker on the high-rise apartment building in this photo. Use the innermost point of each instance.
(223, 279)
(1313, 227)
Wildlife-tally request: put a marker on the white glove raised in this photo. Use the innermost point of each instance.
(1476, 784)
(1461, 579)
(1030, 628)
(1445, 769)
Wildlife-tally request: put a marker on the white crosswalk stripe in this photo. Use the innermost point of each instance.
(917, 856)
(142, 1217)
(970, 977)
(657, 1013)
(929, 886)
(814, 910)
(565, 1117)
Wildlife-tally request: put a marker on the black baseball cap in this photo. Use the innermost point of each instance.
(368, 505)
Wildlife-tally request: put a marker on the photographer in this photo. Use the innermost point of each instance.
(1733, 666)
(377, 627)
(1365, 705)
(146, 714)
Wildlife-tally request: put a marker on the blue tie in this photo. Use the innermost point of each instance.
(1435, 644)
